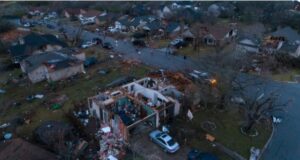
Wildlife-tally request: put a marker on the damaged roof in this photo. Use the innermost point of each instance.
(32, 42)
(288, 33)
(54, 60)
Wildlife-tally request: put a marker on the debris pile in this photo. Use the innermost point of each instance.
(58, 102)
(83, 116)
(176, 78)
(111, 145)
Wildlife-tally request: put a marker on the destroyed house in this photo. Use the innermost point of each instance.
(271, 44)
(127, 107)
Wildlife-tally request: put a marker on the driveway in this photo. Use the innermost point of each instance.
(285, 144)
(142, 145)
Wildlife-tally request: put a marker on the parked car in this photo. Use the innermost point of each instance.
(202, 77)
(88, 44)
(164, 140)
(238, 100)
(30, 98)
(178, 43)
(195, 154)
(107, 45)
(27, 25)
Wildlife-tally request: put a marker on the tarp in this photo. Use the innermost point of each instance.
(55, 106)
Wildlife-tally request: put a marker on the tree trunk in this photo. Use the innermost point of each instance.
(249, 126)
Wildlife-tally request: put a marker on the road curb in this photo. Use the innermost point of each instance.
(268, 142)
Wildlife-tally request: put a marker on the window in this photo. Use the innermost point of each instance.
(171, 142)
(161, 141)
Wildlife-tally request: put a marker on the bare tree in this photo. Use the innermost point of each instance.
(261, 107)
(197, 32)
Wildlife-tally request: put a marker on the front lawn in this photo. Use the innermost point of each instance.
(227, 132)
(285, 76)
(78, 89)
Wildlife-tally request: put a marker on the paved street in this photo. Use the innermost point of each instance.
(285, 144)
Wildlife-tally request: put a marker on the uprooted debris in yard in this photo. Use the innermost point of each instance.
(83, 116)
(58, 102)
(254, 153)
(111, 145)
(176, 78)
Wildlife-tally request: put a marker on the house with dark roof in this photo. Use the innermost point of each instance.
(172, 27)
(291, 49)
(121, 24)
(154, 26)
(20, 149)
(289, 34)
(106, 19)
(144, 22)
(218, 34)
(33, 44)
(89, 16)
(37, 11)
(164, 12)
(51, 66)
(248, 45)
(73, 12)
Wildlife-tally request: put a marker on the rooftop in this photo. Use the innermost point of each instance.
(21, 149)
(53, 60)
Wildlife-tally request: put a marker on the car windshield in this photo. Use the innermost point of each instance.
(171, 142)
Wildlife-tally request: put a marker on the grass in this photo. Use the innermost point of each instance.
(285, 76)
(161, 43)
(76, 90)
(227, 132)
(190, 52)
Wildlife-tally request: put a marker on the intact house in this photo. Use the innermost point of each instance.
(291, 49)
(146, 101)
(120, 25)
(51, 66)
(148, 24)
(106, 18)
(248, 45)
(34, 44)
(73, 12)
(89, 17)
(218, 34)
(140, 22)
(172, 29)
(36, 11)
(164, 12)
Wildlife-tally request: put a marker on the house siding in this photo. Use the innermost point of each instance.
(65, 73)
(38, 74)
